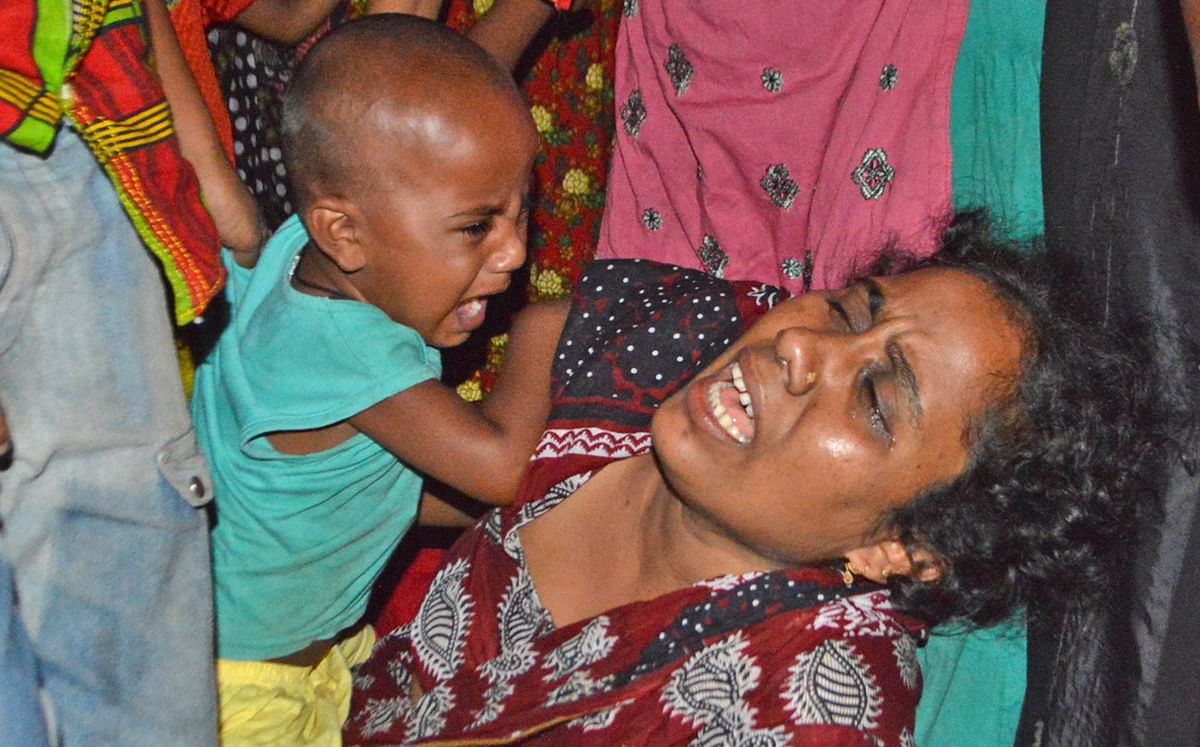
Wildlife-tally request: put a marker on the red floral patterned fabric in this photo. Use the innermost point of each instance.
(570, 91)
(787, 657)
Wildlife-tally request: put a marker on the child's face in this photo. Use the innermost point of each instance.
(443, 225)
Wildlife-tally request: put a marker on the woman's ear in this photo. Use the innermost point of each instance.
(888, 558)
(334, 224)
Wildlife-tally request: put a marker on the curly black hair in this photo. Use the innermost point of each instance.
(1062, 465)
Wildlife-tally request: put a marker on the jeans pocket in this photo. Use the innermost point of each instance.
(184, 466)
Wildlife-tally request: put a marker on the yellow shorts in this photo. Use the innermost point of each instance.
(263, 703)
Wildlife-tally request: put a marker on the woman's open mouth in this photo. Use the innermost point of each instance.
(729, 402)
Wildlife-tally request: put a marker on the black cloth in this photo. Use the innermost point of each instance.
(1121, 177)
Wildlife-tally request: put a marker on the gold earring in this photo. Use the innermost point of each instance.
(886, 573)
(849, 572)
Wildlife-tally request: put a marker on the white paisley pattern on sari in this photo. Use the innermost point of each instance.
(766, 658)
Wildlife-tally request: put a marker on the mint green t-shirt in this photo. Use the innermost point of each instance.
(299, 540)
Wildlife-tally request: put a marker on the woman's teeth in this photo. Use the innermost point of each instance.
(739, 383)
(472, 307)
(722, 413)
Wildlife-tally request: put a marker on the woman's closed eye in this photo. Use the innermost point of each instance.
(871, 400)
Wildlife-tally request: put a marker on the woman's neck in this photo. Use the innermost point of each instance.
(623, 537)
(687, 547)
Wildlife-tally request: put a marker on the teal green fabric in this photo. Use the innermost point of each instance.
(974, 687)
(974, 683)
(995, 131)
(299, 540)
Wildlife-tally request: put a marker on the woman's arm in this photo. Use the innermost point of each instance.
(481, 451)
(227, 200)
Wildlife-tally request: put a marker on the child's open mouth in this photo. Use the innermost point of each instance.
(470, 314)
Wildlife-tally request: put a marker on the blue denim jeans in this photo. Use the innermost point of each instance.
(20, 709)
(99, 517)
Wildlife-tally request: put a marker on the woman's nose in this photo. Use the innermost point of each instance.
(797, 350)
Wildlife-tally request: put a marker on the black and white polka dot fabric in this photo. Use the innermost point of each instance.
(253, 74)
(639, 330)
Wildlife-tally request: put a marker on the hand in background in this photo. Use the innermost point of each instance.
(287, 22)
(430, 9)
(6, 446)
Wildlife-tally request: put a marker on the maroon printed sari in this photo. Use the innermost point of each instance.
(785, 657)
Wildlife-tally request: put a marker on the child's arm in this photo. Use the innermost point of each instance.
(481, 451)
(227, 200)
(437, 511)
(285, 21)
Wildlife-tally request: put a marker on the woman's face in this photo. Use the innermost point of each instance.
(858, 400)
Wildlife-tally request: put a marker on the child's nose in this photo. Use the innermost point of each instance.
(511, 253)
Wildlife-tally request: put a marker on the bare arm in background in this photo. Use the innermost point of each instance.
(1191, 20)
(425, 8)
(508, 28)
(285, 21)
(233, 210)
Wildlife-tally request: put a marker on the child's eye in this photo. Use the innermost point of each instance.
(479, 228)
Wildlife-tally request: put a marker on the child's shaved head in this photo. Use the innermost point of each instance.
(383, 75)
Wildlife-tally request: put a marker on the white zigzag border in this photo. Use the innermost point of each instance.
(558, 442)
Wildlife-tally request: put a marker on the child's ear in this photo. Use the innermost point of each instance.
(890, 557)
(333, 223)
